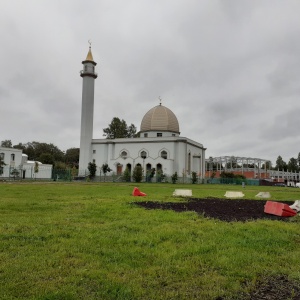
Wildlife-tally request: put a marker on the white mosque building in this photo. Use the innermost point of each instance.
(158, 146)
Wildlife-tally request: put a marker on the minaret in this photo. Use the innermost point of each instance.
(88, 75)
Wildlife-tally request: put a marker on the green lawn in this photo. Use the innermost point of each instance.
(88, 241)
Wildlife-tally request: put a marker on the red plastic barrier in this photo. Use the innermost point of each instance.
(279, 209)
(137, 192)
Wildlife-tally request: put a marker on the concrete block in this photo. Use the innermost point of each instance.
(183, 193)
(296, 205)
(263, 195)
(230, 194)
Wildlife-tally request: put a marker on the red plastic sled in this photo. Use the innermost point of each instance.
(279, 209)
(137, 192)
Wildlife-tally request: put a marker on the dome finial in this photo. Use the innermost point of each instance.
(89, 41)
(159, 100)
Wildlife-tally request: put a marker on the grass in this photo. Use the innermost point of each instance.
(88, 241)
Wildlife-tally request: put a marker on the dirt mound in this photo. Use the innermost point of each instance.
(278, 287)
(222, 209)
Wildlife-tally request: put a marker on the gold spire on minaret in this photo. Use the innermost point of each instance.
(89, 56)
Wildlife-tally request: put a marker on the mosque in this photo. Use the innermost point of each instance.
(158, 146)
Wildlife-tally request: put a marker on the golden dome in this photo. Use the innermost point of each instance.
(160, 118)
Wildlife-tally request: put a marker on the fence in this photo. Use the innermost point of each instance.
(237, 181)
(12, 173)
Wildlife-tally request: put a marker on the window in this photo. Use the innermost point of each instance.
(173, 134)
(12, 157)
(159, 134)
(145, 134)
(94, 161)
(143, 154)
(124, 154)
(2, 156)
(164, 154)
(85, 68)
(94, 151)
(1, 170)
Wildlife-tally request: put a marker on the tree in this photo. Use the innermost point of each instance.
(105, 169)
(150, 174)
(194, 177)
(36, 167)
(35, 149)
(280, 164)
(292, 165)
(92, 167)
(119, 129)
(15, 173)
(72, 157)
(174, 177)
(46, 158)
(137, 174)
(267, 165)
(6, 144)
(126, 175)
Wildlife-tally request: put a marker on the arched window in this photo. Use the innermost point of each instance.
(148, 167)
(158, 167)
(143, 154)
(124, 154)
(164, 154)
(128, 166)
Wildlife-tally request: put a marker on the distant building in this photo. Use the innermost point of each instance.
(251, 168)
(158, 146)
(17, 165)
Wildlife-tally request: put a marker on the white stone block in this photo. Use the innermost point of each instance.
(296, 205)
(183, 193)
(263, 195)
(230, 194)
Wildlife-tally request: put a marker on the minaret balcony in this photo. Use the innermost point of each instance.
(87, 73)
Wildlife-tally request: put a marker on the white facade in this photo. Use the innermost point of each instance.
(169, 154)
(17, 165)
(159, 145)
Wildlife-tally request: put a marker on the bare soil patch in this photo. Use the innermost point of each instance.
(228, 210)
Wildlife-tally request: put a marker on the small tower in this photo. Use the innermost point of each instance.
(88, 75)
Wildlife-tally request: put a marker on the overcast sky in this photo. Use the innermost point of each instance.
(229, 70)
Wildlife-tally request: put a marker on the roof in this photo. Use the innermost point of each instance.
(160, 118)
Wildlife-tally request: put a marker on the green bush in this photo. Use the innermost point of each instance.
(126, 175)
(194, 177)
(92, 167)
(137, 174)
(174, 177)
